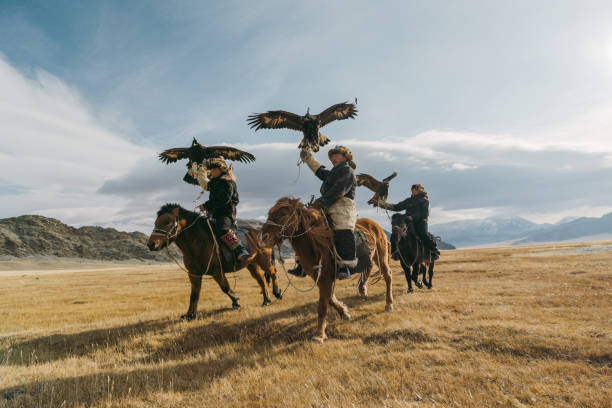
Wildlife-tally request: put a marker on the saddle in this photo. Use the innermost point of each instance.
(364, 247)
(227, 254)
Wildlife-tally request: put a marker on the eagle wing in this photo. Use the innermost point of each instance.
(391, 177)
(368, 181)
(197, 153)
(228, 153)
(339, 111)
(275, 120)
(173, 155)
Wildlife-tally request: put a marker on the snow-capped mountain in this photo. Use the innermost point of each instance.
(517, 230)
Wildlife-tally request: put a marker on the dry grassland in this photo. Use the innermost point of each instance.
(503, 327)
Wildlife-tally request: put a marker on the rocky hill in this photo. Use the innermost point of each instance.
(34, 235)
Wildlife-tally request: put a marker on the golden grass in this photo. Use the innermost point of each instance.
(503, 327)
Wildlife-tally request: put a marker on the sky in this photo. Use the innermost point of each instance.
(498, 108)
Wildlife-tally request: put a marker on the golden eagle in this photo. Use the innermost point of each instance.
(308, 124)
(380, 188)
(197, 154)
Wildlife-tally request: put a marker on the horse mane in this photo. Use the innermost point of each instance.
(315, 227)
(183, 213)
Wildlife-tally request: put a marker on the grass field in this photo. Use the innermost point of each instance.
(503, 327)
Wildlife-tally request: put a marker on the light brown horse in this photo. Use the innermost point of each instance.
(312, 241)
(201, 255)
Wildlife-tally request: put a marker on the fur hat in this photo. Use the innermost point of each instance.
(419, 188)
(217, 163)
(345, 152)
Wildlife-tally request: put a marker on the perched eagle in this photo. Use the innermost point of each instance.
(380, 188)
(308, 124)
(197, 154)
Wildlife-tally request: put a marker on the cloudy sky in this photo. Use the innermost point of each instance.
(499, 108)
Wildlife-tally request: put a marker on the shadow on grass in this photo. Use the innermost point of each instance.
(59, 346)
(255, 342)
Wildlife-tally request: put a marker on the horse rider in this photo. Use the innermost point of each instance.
(221, 206)
(338, 202)
(417, 211)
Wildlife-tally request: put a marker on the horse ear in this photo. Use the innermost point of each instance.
(175, 212)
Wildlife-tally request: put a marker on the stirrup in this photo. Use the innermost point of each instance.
(343, 273)
(297, 271)
(241, 253)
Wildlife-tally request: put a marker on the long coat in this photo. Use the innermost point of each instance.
(223, 198)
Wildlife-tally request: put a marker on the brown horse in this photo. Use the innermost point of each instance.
(312, 241)
(201, 254)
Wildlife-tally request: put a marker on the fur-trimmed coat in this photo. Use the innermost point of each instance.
(223, 198)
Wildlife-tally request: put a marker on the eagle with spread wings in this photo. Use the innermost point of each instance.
(308, 124)
(380, 188)
(197, 154)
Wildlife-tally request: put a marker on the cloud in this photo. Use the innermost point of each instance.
(53, 153)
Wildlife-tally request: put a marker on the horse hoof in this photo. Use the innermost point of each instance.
(347, 317)
(419, 285)
(365, 298)
(266, 302)
(278, 295)
(429, 286)
(389, 308)
(410, 290)
(317, 339)
(187, 317)
(235, 306)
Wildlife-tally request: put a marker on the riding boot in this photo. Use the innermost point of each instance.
(345, 246)
(297, 270)
(431, 245)
(231, 240)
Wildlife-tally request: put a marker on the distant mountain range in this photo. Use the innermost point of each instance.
(517, 230)
(35, 236)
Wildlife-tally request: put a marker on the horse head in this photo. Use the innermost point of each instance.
(289, 218)
(167, 227)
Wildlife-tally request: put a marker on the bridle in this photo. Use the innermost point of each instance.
(173, 232)
(169, 234)
(283, 227)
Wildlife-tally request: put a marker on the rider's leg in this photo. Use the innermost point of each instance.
(345, 246)
(229, 238)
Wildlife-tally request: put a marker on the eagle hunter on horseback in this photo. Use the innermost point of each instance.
(337, 201)
(417, 212)
(198, 237)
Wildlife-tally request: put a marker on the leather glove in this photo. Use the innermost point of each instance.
(304, 153)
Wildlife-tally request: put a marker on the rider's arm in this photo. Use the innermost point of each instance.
(317, 168)
(402, 205)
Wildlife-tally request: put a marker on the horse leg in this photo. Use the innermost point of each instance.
(408, 276)
(431, 272)
(386, 272)
(258, 275)
(270, 273)
(196, 286)
(220, 278)
(362, 286)
(325, 296)
(415, 275)
(340, 308)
